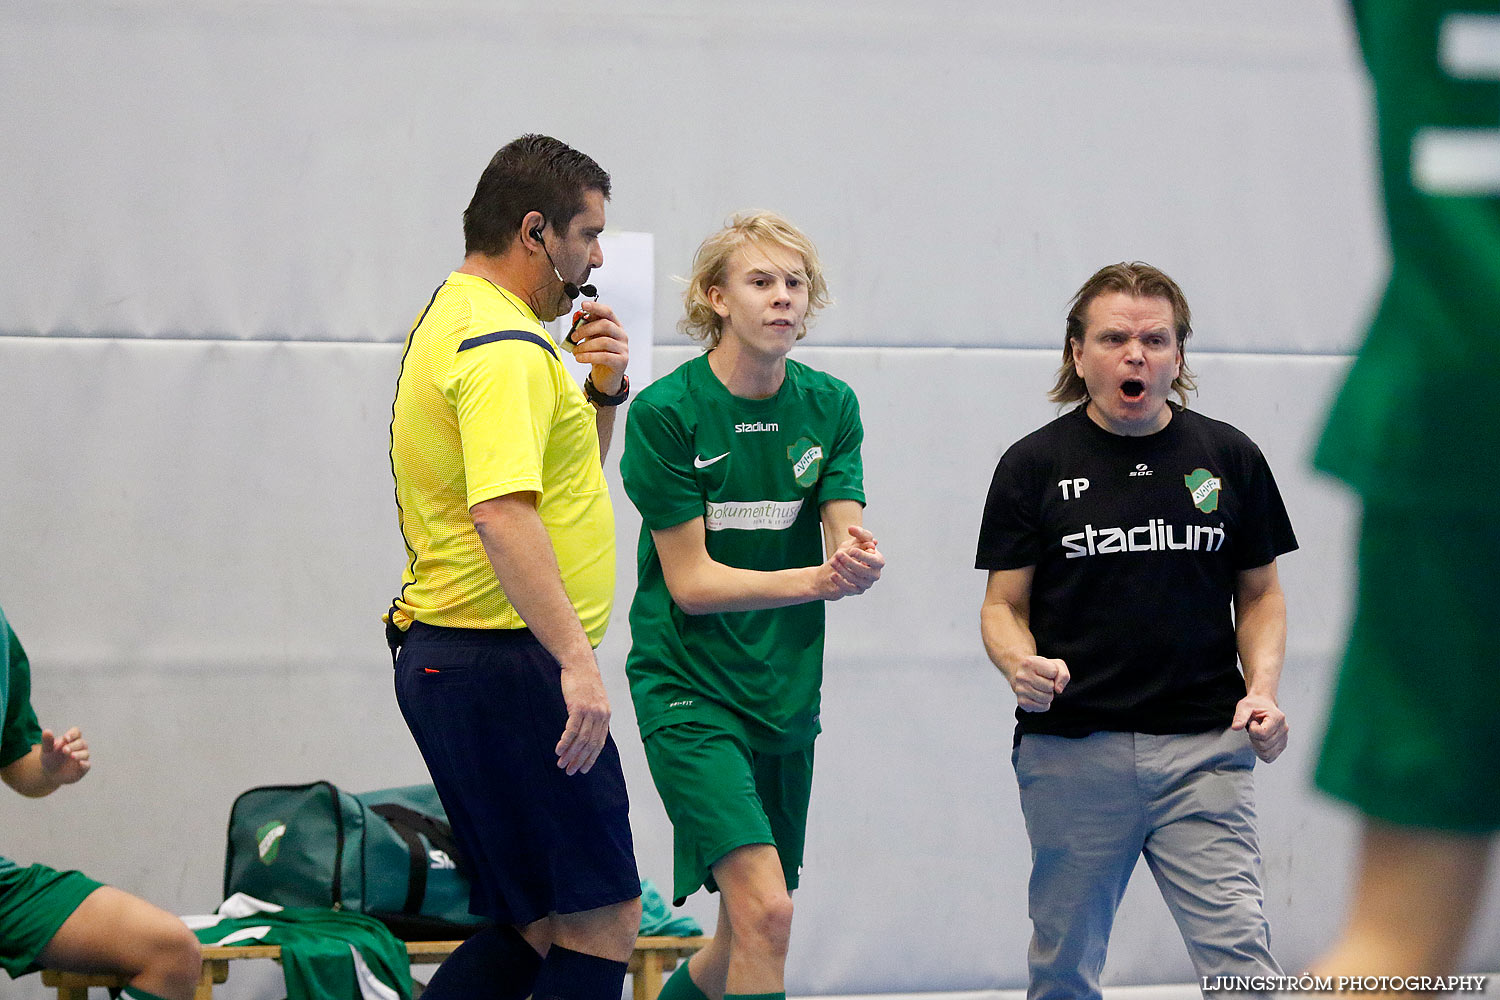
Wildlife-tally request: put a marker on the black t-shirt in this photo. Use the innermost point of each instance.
(1137, 543)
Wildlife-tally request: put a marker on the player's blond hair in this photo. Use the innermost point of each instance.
(711, 265)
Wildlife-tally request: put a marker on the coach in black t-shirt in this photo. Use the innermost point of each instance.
(1131, 546)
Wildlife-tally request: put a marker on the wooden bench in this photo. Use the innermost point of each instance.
(654, 956)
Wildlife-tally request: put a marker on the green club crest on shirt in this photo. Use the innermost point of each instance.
(1205, 487)
(806, 456)
(268, 840)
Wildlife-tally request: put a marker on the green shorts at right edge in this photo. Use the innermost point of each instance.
(720, 794)
(34, 903)
(1414, 731)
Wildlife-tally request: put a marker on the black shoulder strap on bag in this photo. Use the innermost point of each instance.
(411, 826)
(337, 889)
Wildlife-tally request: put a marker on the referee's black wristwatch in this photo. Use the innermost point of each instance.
(600, 399)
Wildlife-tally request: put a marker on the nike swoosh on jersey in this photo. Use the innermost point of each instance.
(703, 463)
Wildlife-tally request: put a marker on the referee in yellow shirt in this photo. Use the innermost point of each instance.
(509, 580)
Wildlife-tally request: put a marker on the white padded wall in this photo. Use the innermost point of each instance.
(276, 169)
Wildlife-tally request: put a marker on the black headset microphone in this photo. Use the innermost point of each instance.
(569, 289)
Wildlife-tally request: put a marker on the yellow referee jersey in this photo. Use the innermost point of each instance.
(484, 408)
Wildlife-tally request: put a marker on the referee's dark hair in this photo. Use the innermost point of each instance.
(535, 173)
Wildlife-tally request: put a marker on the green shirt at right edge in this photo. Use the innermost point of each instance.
(1414, 423)
(756, 471)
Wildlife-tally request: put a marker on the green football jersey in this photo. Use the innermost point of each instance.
(757, 471)
(1413, 423)
(19, 730)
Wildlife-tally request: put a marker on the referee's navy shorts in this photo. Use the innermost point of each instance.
(486, 709)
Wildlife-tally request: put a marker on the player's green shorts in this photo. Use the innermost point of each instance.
(34, 903)
(1414, 732)
(720, 794)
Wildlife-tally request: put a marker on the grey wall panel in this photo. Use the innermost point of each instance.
(196, 540)
(293, 170)
(200, 502)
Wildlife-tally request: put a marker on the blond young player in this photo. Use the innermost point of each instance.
(746, 469)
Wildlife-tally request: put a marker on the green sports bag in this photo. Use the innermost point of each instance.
(389, 854)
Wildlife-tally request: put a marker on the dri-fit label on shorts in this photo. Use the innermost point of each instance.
(751, 515)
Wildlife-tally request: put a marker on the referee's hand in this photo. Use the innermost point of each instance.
(588, 718)
(603, 343)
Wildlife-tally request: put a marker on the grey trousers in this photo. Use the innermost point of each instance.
(1094, 805)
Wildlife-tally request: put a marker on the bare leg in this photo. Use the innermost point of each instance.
(590, 953)
(113, 931)
(1414, 897)
(538, 934)
(606, 932)
(759, 910)
(710, 967)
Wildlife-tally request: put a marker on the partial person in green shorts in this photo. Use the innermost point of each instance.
(1413, 737)
(746, 469)
(66, 920)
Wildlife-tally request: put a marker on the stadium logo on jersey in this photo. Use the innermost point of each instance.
(806, 455)
(752, 515)
(756, 427)
(268, 840)
(1154, 536)
(1204, 487)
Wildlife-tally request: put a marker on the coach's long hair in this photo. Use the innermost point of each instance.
(1138, 280)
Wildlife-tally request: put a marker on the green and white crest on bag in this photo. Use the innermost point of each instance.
(268, 840)
(1205, 487)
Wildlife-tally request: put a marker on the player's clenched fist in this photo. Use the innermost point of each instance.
(1037, 681)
